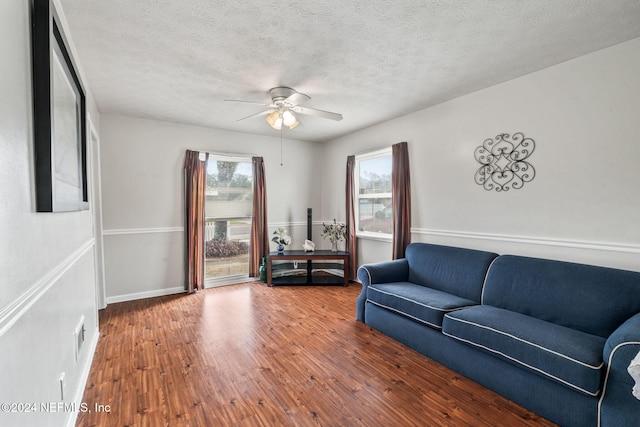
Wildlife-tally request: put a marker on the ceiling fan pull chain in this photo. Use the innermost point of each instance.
(281, 163)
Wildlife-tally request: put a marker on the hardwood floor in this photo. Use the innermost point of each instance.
(249, 355)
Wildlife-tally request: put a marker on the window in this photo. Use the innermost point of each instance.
(373, 195)
(228, 206)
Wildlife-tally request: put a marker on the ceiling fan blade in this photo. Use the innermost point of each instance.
(297, 98)
(249, 102)
(261, 113)
(318, 113)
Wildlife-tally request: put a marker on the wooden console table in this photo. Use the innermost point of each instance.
(310, 257)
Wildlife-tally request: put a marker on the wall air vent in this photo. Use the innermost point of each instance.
(79, 337)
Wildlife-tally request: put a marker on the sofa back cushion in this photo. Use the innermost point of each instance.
(457, 271)
(591, 299)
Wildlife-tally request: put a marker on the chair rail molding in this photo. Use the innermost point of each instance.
(545, 241)
(12, 312)
(151, 230)
(148, 230)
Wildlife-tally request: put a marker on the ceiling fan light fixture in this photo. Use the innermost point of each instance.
(285, 107)
(274, 119)
(289, 119)
(285, 117)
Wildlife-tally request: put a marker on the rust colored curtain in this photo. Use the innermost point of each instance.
(195, 173)
(400, 199)
(259, 245)
(351, 217)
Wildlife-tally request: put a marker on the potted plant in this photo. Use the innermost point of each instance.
(281, 238)
(335, 232)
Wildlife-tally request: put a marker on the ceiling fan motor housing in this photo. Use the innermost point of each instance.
(279, 94)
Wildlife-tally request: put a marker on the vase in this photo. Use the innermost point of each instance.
(280, 249)
(334, 246)
(263, 270)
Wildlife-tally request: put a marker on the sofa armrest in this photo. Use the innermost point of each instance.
(382, 272)
(618, 406)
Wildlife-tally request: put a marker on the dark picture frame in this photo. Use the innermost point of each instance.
(59, 107)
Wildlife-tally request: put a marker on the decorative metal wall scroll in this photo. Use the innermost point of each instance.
(504, 162)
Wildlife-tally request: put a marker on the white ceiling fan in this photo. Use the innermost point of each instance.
(285, 104)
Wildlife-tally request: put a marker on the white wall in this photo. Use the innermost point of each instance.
(582, 205)
(47, 274)
(143, 196)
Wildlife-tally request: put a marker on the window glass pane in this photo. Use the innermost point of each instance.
(374, 195)
(228, 205)
(374, 215)
(375, 175)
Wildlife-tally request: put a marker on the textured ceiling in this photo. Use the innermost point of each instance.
(370, 60)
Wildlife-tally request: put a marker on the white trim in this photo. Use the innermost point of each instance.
(234, 279)
(370, 155)
(84, 377)
(545, 241)
(231, 157)
(152, 230)
(96, 215)
(375, 196)
(315, 223)
(290, 224)
(381, 152)
(120, 231)
(146, 294)
(379, 237)
(12, 312)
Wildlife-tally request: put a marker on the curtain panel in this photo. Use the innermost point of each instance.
(195, 172)
(259, 243)
(400, 199)
(351, 217)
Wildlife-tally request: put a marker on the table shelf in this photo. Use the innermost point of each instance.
(308, 262)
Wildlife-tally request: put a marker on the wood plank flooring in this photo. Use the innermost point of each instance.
(249, 355)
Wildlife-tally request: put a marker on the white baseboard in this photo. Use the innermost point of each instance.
(146, 294)
(229, 280)
(84, 377)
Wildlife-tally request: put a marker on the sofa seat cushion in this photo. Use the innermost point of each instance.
(570, 357)
(418, 302)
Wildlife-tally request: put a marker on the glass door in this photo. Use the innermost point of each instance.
(228, 205)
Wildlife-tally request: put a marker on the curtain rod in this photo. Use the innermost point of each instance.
(224, 154)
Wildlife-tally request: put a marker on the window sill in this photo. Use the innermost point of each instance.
(380, 237)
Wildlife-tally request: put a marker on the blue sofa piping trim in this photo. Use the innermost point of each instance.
(405, 314)
(528, 342)
(606, 378)
(447, 310)
(521, 362)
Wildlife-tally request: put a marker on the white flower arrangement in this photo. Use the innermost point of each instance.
(335, 232)
(281, 237)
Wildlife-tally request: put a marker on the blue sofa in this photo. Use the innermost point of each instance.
(555, 337)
